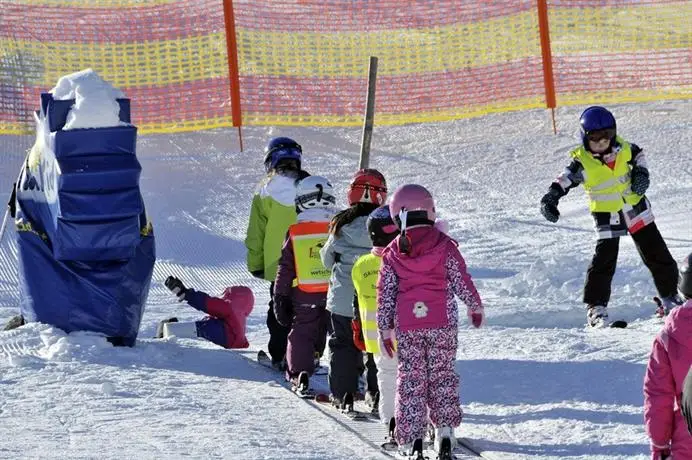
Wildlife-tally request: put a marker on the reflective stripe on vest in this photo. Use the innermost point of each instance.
(307, 239)
(365, 273)
(607, 189)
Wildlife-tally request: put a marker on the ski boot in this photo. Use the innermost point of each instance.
(414, 450)
(597, 316)
(301, 385)
(344, 403)
(347, 403)
(666, 304)
(445, 442)
(390, 443)
(280, 365)
(159, 329)
(372, 401)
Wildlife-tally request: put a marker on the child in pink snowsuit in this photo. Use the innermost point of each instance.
(671, 357)
(226, 317)
(422, 270)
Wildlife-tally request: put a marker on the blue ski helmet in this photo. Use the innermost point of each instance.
(381, 227)
(597, 119)
(281, 148)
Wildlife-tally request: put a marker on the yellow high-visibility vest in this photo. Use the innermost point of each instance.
(307, 239)
(607, 189)
(364, 274)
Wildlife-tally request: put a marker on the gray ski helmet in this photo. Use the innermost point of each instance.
(685, 280)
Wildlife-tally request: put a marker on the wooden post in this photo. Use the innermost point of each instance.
(233, 71)
(548, 80)
(369, 115)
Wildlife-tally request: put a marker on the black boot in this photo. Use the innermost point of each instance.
(372, 400)
(417, 452)
(347, 403)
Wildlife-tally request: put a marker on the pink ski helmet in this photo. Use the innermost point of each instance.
(417, 201)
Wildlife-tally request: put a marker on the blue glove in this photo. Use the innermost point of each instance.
(639, 181)
(549, 206)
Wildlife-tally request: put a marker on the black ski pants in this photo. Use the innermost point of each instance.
(278, 334)
(370, 373)
(345, 361)
(654, 253)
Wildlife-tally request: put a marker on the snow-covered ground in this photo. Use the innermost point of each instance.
(535, 382)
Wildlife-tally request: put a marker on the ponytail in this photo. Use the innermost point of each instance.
(350, 214)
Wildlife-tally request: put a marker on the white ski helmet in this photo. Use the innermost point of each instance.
(314, 192)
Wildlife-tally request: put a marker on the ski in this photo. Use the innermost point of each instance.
(352, 414)
(264, 359)
(299, 390)
(617, 324)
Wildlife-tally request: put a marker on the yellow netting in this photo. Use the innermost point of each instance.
(169, 57)
(621, 51)
(304, 62)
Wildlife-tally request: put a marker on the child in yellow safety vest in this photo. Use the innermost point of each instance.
(382, 231)
(302, 281)
(615, 177)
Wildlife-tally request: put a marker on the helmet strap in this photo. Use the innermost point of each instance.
(404, 241)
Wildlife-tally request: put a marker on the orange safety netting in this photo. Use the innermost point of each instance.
(304, 62)
(168, 56)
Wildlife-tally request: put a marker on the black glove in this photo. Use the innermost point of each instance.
(258, 274)
(283, 310)
(549, 206)
(177, 287)
(639, 181)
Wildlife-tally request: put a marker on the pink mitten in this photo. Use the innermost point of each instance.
(476, 318)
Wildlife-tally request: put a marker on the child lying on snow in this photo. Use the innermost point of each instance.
(227, 315)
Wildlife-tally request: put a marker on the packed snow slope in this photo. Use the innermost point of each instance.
(535, 384)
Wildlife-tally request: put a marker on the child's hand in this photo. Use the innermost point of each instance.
(177, 287)
(388, 342)
(549, 207)
(283, 310)
(476, 317)
(357, 335)
(639, 181)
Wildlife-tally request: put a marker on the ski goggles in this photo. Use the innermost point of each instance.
(600, 134)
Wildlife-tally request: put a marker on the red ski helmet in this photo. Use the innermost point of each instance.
(367, 186)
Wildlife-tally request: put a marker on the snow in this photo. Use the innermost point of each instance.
(535, 384)
(95, 100)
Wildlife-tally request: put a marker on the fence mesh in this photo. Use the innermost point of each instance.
(621, 51)
(169, 57)
(304, 62)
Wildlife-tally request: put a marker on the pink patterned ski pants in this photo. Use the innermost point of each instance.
(427, 384)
